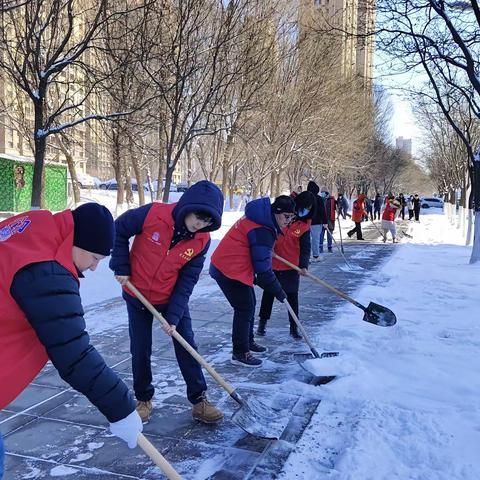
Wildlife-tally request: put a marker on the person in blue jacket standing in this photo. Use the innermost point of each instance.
(164, 263)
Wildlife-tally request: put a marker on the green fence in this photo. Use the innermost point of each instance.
(16, 185)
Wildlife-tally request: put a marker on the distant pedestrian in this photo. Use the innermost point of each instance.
(377, 206)
(330, 208)
(358, 212)
(342, 206)
(416, 207)
(402, 202)
(369, 209)
(388, 219)
(319, 220)
(410, 207)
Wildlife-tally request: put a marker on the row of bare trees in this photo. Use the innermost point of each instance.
(240, 91)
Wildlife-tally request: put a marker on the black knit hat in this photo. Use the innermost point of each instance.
(93, 228)
(283, 204)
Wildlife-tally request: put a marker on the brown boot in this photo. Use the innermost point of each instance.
(205, 412)
(144, 409)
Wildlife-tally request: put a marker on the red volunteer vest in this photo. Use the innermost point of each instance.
(31, 237)
(232, 255)
(389, 213)
(154, 266)
(287, 245)
(331, 213)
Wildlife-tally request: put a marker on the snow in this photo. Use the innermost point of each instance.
(408, 408)
(405, 403)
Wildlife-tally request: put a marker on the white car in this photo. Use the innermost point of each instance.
(428, 202)
(84, 180)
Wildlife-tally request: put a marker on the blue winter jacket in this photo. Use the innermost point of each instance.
(202, 196)
(261, 241)
(60, 327)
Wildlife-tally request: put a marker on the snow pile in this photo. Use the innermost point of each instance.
(409, 407)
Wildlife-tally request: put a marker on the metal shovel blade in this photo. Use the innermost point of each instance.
(379, 315)
(260, 420)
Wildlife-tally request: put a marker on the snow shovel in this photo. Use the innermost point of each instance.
(374, 313)
(379, 231)
(253, 416)
(341, 251)
(340, 232)
(157, 458)
(314, 351)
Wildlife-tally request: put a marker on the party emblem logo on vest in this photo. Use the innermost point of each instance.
(187, 254)
(17, 226)
(297, 232)
(155, 237)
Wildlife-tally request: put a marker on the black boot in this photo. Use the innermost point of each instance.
(262, 323)
(294, 332)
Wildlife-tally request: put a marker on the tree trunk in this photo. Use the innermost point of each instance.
(139, 177)
(73, 176)
(38, 173)
(475, 257)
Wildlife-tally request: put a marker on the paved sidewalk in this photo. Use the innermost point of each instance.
(52, 432)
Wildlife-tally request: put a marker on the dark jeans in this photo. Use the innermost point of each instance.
(267, 304)
(402, 212)
(375, 213)
(417, 213)
(410, 214)
(242, 299)
(140, 328)
(358, 229)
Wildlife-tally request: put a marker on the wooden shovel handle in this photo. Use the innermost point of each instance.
(216, 376)
(321, 282)
(157, 458)
(300, 326)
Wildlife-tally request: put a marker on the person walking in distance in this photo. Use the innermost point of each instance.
(330, 209)
(342, 206)
(358, 212)
(417, 203)
(402, 202)
(410, 207)
(377, 206)
(319, 220)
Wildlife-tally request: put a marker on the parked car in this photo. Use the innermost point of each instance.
(84, 180)
(434, 202)
(113, 185)
(173, 186)
(182, 186)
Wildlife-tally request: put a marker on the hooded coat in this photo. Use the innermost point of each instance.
(245, 253)
(320, 216)
(166, 259)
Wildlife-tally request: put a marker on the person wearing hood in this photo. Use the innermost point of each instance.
(43, 256)
(244, 258)
(319, 220)
(294, 246)
(330, 208)
(377, 206)
(342, 206)
(358, 212)
(164, 263)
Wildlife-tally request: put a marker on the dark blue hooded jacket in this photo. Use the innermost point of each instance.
(203, 196)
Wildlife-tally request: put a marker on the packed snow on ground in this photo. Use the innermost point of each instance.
(408, 408)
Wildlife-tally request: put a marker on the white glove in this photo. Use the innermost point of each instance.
(128, 428)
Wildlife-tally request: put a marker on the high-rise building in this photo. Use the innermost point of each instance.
(351, 23)
(404, 144)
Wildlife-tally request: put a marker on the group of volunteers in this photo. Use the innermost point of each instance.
(43, 256)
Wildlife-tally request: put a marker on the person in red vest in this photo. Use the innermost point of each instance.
(164, 263)
(294, 245)
(43, 256)
(330, 206)
(358, 212)
(388, 219)
(244, 257)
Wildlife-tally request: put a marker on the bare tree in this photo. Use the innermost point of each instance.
(44, 47)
